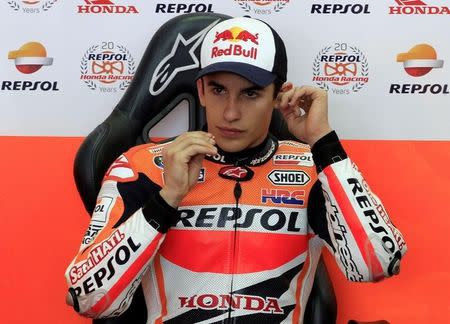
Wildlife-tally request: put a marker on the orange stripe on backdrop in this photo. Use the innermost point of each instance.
(43, 222)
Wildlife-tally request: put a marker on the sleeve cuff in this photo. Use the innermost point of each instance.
(159, 214)
(327, 150)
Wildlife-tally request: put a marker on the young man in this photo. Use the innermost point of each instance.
(228, 224)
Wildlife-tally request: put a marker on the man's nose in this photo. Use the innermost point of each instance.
(232, 110)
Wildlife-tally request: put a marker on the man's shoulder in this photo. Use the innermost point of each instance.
(144, 158)
(146, 149)
(293, 154)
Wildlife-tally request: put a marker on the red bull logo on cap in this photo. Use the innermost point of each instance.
(235, 35)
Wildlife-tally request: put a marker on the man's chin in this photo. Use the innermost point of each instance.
(231, 146)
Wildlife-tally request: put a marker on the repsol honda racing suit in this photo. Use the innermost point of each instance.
(244, 243)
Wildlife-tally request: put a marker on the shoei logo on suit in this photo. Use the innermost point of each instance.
(288, 177)
(339, 8)
(29, 59)
(341, 68)
(182, 7)
(417, 7)
(32, 6)
(108, 67)
(105, 7)
(181, 58)
(264, 7)
(420, 60)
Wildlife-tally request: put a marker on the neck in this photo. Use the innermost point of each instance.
(252, 156)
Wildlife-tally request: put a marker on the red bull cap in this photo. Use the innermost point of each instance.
(247, 47)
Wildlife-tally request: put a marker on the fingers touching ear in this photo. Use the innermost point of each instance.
(286, 86)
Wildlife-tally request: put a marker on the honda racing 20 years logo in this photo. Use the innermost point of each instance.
(417, 7)
(419, 61)
(31, 6)
(30, 58)
(262, 7)
(341, 68)
(108, 67)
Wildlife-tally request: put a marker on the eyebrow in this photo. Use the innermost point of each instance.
(255, 87)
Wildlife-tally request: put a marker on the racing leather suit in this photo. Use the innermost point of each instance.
(244, 243)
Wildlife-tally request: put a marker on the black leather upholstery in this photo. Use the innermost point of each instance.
(148, 99)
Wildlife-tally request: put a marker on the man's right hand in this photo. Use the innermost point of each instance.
(182, 163)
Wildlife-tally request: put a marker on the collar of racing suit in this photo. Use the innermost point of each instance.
(254, 156)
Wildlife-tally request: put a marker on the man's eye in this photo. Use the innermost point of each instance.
(250, 93)
(218, 90)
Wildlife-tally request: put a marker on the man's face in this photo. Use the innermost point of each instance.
(238, 112)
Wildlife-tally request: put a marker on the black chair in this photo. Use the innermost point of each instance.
(164, 78)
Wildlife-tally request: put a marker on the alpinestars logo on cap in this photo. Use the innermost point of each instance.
(183, 50)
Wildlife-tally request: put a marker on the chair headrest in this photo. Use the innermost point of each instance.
(165, 77)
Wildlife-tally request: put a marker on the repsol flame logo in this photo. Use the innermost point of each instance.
(181, 58)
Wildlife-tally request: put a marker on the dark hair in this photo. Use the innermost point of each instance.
(277, 86)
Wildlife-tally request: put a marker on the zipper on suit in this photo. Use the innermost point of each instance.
(237, 191)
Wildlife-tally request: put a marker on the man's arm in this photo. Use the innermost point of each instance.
(366, 244)
(127, 227)
(350, 218)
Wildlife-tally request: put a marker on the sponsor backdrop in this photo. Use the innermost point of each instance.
(65, 64)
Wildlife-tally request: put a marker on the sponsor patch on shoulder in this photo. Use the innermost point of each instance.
(202, 175)
(157, 148)
(294, 144)
(158, 160)
(120, 170)
(302, 158)
(99, 218)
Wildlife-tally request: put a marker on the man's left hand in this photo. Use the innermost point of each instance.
(305, 110)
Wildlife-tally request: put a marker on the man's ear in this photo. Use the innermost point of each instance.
(201, 91)
(284, 88)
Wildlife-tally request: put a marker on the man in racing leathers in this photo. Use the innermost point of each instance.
(227, 225)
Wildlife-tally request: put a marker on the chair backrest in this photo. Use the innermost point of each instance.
(164, 78)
